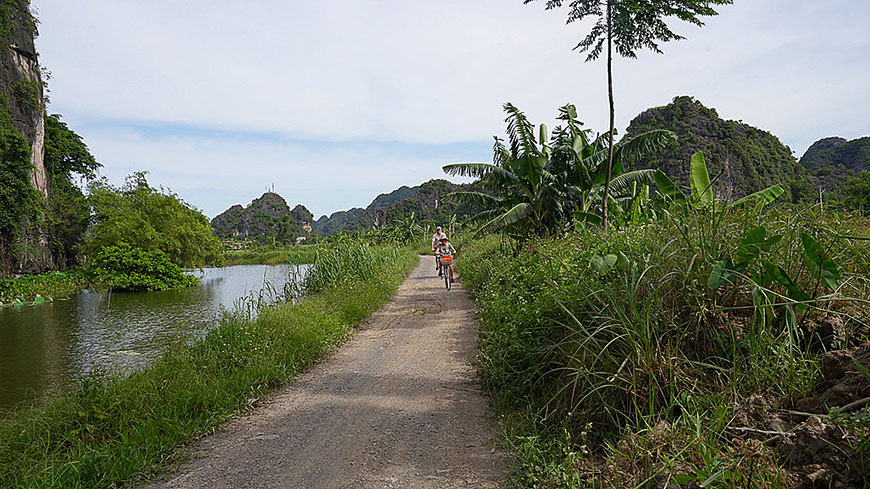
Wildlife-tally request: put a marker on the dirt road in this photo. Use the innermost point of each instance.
(398, 406)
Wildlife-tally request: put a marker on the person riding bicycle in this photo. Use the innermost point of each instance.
(436, 240)
(445, 248)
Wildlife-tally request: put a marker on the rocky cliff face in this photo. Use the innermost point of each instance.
(835, 151)
(21, 97)
(427, 202)
(744, 158)
(24, 90)
(266, 218)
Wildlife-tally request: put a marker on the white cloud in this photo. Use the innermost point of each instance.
(417, 72)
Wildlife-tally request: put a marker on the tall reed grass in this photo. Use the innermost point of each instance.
(614, 371)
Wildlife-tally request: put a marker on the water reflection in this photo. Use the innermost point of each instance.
(47, 347)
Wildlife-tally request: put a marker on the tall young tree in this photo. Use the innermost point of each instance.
(629, 26)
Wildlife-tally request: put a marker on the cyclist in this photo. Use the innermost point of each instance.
(445, 248)
(436, 240)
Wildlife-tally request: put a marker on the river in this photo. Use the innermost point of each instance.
(49, 346)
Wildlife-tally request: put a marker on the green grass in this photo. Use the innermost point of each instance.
(51, 284)
(617, 377)
(114, 430)
(296, 255)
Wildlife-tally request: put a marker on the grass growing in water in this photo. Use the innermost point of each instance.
(114, 430)
(633, 371)
(296, 255)
(52, 284)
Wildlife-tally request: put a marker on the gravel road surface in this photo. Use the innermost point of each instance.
(398, 406)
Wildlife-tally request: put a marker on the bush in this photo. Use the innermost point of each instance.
(151, 219)
(629, 352)
(123, 267)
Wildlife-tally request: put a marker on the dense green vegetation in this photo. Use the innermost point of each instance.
(618, 358)
(125, 268)
(67, 159)
(637, 355)
(858, 192)
(51, 285)
(63, 217)
(150, 219)
(113, 430)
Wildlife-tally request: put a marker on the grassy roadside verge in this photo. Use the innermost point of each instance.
(297, 255)
(636, 373)
(112, 430)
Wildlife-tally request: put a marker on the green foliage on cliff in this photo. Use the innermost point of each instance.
(150, 219)
(267, 219)
(15, 14)
(428, 203)
(744, 158)
(67, 158)
(17, 196)
(832, 152)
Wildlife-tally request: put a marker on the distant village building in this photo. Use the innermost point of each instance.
(307, 228)
(301, 240)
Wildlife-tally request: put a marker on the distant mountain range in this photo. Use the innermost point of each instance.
(427, 202)
(743, 159)
(270, 217)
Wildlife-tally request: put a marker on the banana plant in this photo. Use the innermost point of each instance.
(526, 194)
(543, 183)
(702, 188)
(588, 171)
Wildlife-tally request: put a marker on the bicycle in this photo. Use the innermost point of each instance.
(447, 270)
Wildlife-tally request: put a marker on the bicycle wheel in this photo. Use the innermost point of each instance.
(446, 273)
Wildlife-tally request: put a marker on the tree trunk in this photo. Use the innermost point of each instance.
(612, 113)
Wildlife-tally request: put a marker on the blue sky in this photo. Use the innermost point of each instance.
(335, 102)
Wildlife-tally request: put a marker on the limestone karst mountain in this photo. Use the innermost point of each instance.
(743, 158)
(267, 217)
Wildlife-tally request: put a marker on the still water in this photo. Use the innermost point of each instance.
(48, 346)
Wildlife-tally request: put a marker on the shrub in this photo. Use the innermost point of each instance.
(620, 339)
(123, 267)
